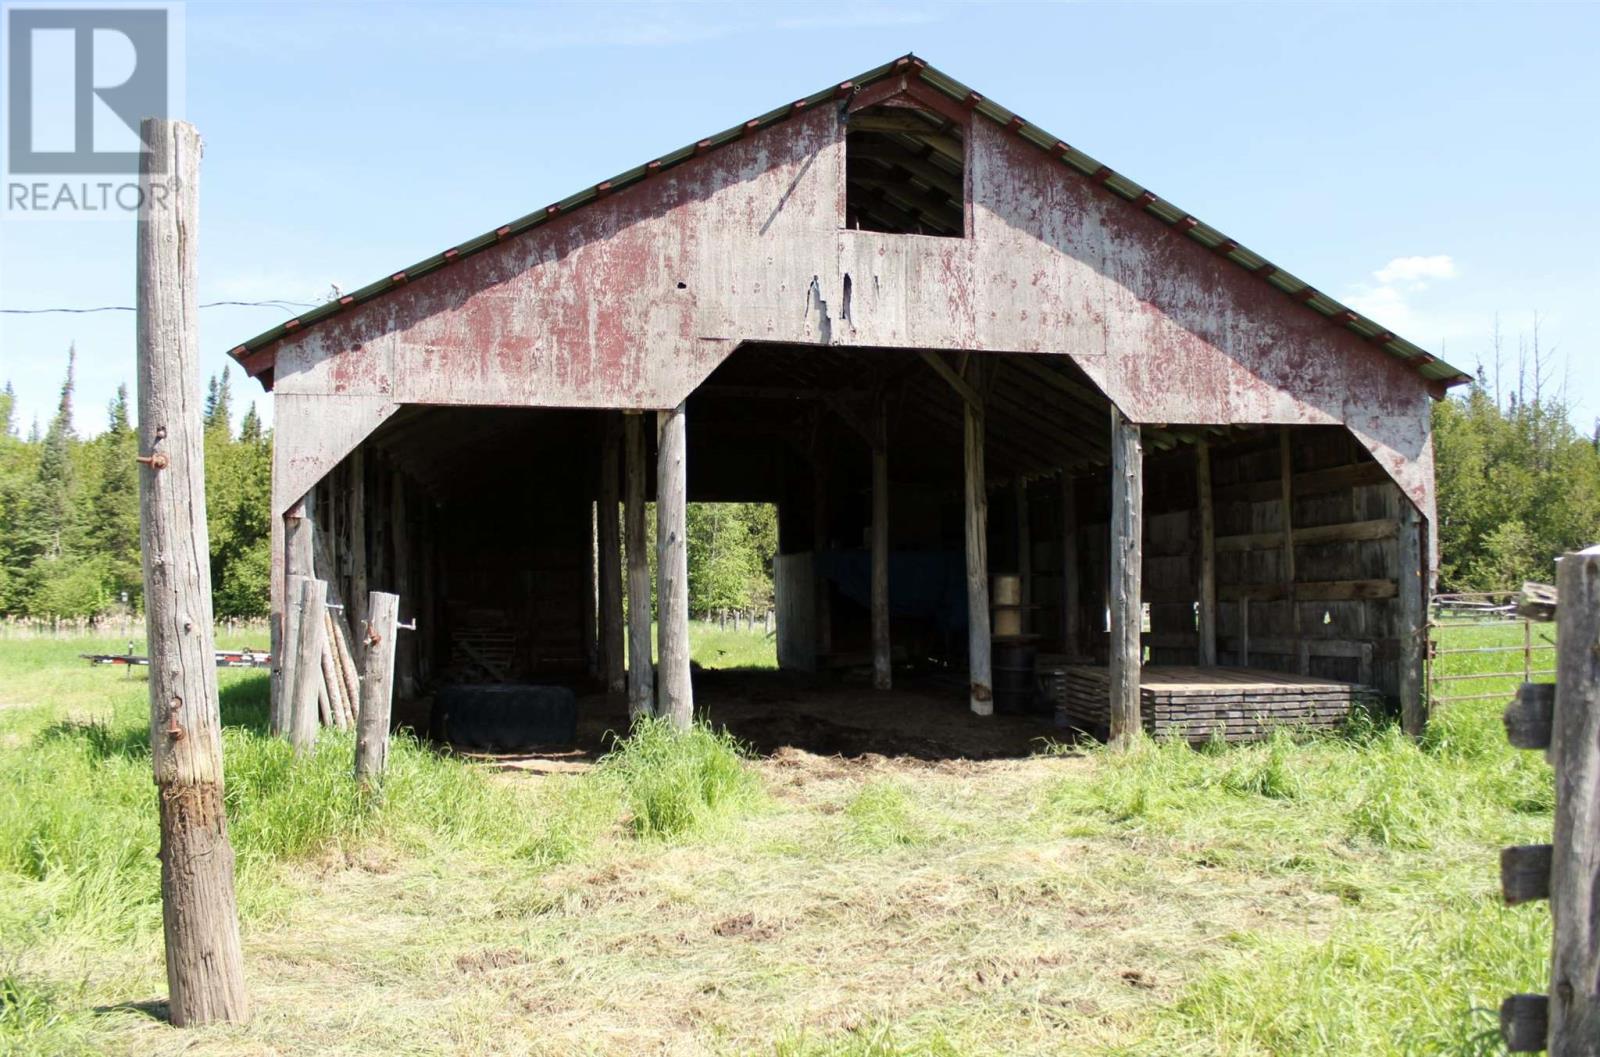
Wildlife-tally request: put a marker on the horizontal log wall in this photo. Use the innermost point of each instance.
(1338, 618)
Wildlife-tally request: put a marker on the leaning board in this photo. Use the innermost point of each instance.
(1197, 704)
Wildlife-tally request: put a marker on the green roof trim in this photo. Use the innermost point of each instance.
(1428, 366)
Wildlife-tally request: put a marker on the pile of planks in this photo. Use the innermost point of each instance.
(1197, 704)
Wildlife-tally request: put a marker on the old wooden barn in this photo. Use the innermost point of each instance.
(956, 352)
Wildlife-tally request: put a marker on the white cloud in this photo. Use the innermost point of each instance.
(1416, 271)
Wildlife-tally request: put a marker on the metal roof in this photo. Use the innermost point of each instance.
(254, 354)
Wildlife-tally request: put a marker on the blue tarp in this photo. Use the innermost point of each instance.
(929, 585)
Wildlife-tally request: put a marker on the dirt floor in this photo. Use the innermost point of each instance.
(924, 718)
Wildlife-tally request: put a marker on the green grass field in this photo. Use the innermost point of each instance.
(1333, 895)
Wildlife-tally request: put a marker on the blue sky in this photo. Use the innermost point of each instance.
(1431, 164)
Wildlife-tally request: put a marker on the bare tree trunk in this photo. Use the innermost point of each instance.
(205, 965)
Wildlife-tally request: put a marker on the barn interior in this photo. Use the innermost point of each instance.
(483, 521)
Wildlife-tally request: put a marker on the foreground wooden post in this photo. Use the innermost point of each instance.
(303, 717)
(200, 920)
(882, 667)
(981, 692)
(1575, 863)
(674, 694)
(377, 685)
(611, 656)
(1127, 518)
(1208, 555)
(641, 667)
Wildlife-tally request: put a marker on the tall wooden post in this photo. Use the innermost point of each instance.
(1575, 860)
(980, 678)
(882, 668)
(611, 654)
(404, 580)
(674, 693)
(200, 920)
(377, 685)
(1127, 547)
(1290, 592)
(1413, 605)
(1208, 555)
(641, 668)
(821, 588)
(307, 670)
(1071, 639)
(1024, 553)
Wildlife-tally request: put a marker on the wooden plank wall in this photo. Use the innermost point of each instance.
(1338, 619)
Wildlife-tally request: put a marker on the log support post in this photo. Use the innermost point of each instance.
(1071, 618)
(1207, 616)
(377, 685)
(822, 589)
(299, 534)
(1413, 612)
(674, 692)
(304, 715)
(980, 675)
(882, 673)
(611, 635)
(641, 668)
(1024, 554)
(1127, 539)
(356, 523)
(1286, 475)
(200, 920)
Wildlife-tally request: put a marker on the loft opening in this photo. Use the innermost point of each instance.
(905, 172)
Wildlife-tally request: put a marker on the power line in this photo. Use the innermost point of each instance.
(282, 305)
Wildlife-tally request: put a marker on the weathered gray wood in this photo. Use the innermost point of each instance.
(1524, 873)
(1525, 1023)
(970, 393)
(307, 667)
(200, 921)
(1537, 602)
(339, 636)
(357, 521)
(1127, 545)
(980, 673)
(591, 594)
(1346, 532)
(882, 672)
(1071, 623)
(1208, 554)
(1529, 717)
(377, 685)
(675, 692)
(612, 657)
(1575, 864)
(1412, 585)
(641, 671)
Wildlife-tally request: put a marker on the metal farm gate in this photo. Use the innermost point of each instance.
(1480, 649)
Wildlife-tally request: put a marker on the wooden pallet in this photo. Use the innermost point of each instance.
(1197, 704)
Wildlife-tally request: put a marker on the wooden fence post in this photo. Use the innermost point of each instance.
(303, 718)
(200, 919)
(377, 685)
(1565, 720)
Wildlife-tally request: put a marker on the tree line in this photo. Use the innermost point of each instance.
(1518, 484)
(69, 509)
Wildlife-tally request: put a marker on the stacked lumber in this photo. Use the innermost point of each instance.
(1197, 704)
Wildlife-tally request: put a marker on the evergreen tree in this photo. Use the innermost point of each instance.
(52, 509)
(115, 508)
(218, 410)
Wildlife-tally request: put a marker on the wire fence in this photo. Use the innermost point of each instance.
(1480, 649)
